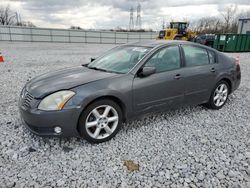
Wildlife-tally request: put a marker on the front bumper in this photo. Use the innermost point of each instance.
(42, 123)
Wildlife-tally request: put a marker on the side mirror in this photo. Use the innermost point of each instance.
(92, 59)
(146, 71)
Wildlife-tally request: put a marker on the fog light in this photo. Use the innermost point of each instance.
(58, 130)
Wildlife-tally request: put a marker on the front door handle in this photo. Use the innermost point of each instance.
(212, 69)
(177, 76)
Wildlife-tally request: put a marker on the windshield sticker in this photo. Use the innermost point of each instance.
(142, 50)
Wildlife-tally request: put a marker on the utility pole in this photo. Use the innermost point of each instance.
(163, 24)
(20, 20)
(17, 20)
(138, 18)
(131, 20)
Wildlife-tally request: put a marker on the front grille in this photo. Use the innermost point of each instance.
(27, 100)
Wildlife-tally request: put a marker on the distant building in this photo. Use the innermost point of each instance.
(244, 26)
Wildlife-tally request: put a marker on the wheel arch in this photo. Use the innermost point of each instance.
(229, 82)
(116, 99)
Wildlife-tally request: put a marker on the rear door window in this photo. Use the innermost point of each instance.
(212, 57)
(195, 56)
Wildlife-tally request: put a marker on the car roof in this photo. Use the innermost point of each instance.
(160, 43)
(155, 43)
(178, 22)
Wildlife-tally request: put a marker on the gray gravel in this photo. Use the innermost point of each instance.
(188, 147)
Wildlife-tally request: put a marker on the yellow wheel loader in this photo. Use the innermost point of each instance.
(177, 31)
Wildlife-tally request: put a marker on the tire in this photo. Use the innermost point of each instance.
(191, 39)
(221, 90)
(177, 38)
(100, 121)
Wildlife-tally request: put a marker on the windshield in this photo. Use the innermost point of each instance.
(174, 25)
(119, 60)
(161, 34)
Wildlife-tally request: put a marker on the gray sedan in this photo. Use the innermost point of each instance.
(93, 100)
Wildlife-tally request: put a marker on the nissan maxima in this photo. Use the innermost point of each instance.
(93, 100)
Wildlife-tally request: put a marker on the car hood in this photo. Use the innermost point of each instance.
(63, 79)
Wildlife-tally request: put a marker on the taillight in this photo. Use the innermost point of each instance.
(237, 60)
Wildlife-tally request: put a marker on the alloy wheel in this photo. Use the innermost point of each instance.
(101, 122)
(220, 95)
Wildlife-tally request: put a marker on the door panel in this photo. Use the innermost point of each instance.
(165, 88)
(199, 81)
(199, 73)
(160, 89)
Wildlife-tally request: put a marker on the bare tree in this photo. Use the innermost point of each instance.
(228, 23)
(235, 21)
(75, 27)
(208, 25)
(228, 16)
(26, 24)
(7, 17)
(218, 26)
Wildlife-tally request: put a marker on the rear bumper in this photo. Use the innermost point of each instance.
(42, 123)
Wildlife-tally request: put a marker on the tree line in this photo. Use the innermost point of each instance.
(9, 17)
(227, 22)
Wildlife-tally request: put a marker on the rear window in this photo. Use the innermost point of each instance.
(203, 37)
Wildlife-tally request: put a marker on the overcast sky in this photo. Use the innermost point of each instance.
(106, 14)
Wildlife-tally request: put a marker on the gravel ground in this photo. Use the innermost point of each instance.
(188, 147)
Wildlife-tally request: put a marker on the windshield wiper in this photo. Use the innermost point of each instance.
(95, 68)
(99, 69)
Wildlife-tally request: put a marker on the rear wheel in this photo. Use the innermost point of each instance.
(100, 121)
(219, 95)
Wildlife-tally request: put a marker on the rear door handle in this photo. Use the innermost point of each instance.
(177, 76)
(212, 69)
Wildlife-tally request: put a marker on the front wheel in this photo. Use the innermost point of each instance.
(100, 121)
(219, 95)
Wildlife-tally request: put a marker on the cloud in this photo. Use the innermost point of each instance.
(112, 13)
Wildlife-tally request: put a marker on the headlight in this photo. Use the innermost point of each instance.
(56, 101)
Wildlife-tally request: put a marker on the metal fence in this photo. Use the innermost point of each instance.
(25, 34)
